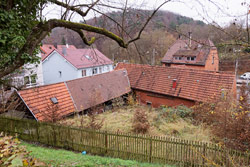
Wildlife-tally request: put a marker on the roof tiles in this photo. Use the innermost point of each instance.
(75, 95)
(39, 103)
(199, 49)
(191, 84)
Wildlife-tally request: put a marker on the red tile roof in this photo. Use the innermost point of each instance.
(59, 47)
(97, 89)
(192, 84)
(46, 49)
(39, 103)
(199, 49)
(79, 58)
(75, 95)
(83, 58)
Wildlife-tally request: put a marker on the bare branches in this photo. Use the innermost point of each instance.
(72, 8)
(146, 23)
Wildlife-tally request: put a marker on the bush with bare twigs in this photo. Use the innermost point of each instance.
(140, 122)
(94, 123)
(229, 120)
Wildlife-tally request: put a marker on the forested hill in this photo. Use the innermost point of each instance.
(134, 20)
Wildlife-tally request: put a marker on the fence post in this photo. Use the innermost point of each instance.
(106, 142)
(150, 150)
(37, 131)
(204, 153)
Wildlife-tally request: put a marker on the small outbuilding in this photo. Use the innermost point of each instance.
(55, 101)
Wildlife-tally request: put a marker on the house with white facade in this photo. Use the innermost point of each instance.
(65, 62)
(28, 76)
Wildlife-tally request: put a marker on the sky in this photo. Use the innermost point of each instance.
(221, 12)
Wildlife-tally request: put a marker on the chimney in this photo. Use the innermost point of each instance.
(55, 45)
(174, 83)
(190, 38)
(67, 45)
(64, 50)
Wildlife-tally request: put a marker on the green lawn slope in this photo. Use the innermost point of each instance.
(59, 157)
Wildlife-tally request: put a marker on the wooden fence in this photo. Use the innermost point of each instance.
(142, 148)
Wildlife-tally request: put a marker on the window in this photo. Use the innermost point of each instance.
(191, 58)
(84, 73)
(213, 60)
(94, 71)
(26, 80)
(54, 100)
(60, 73)
(33, 78)
(87, 56)
(107, 68)
(100, 69)
(149, 103)
(30, 80)
(178, 58)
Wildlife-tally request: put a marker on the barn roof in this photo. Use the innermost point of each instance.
(74, 95)
(196, 85)
(38, 100)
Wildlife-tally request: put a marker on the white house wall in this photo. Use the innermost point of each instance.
(53, 65)
(56, 63)
(89, 71)
(28, 71)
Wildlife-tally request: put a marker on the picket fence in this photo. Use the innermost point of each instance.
(142, 148)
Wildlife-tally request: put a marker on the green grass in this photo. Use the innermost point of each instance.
(59, 157)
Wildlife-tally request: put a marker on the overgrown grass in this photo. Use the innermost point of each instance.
(168, 122)
(59, 157)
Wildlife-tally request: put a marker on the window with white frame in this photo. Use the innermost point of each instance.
(30, 80)
(94, 71)
(84, 73)
(100, 70)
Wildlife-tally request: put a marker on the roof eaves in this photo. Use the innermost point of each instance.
(26, 105)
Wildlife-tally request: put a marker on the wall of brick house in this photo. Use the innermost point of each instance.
(156, 100)
(212, 64)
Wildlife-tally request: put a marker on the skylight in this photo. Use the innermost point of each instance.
(54, 100)
(87, 56)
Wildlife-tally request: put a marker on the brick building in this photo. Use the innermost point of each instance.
(200, 55)
(158, 85)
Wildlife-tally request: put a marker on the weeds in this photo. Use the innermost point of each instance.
(140, 122)
(229, 120)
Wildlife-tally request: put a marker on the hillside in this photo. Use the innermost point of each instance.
(160, 33)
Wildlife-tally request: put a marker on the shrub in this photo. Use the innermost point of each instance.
(12, 154)
(131, 100)
(184, 111)
(140, 122)
(229, 121)
(94, 123)
(170, 114)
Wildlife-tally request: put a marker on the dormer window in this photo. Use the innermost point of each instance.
(178, 58)
(193, 58)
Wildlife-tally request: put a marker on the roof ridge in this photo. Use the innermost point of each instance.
(179, 68)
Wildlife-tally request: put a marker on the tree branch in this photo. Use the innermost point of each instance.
(146, 23)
